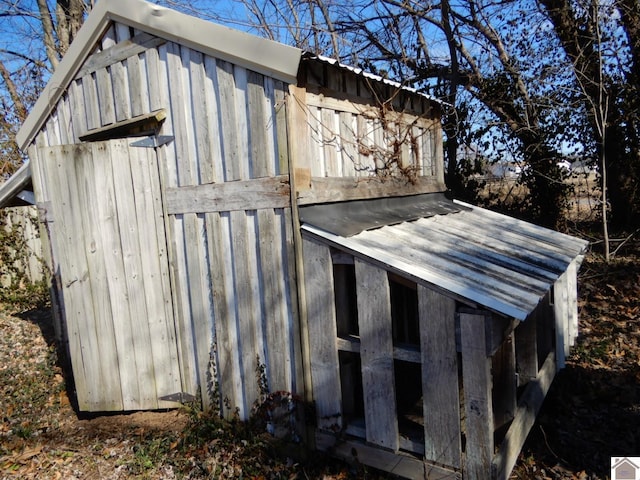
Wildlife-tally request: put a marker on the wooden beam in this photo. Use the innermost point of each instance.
(440, 390)
(119, 52)
(376, 353)
(145, 124)
(528, 408)
(476, 379)
(256, 194)
(339, 189)
(401, 465)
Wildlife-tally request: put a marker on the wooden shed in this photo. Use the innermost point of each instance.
(228, 217)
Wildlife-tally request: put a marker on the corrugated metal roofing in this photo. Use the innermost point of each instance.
(349, 218)
(501, 263)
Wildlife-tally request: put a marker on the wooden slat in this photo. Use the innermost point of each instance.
(376, 353)
(55, 161)
(318, 280)
(105, 96)
(440, 388)
(248, 307)
(476, 379)
(299, 135)
(399, 353)
(91, 103)
(221, 271)
(258, 120)
(259, 193)
(119, 52)
(528, 407)
(334, 189)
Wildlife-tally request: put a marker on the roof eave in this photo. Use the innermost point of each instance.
(261, 55)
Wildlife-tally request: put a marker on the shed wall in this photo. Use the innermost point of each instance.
(231, 279)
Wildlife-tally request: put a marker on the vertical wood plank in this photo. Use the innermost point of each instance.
(55, 161)
(91, 103)
(560, 311)
(298, 128)
(100, 320)
(133, 274)
(440, 390)
(157, 66)
(376, 353)
(249, 313)
(476, 378)
(78, 111)
(114, 266)
(105, 97)
(325, 374)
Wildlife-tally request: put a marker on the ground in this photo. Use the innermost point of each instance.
(591, 413)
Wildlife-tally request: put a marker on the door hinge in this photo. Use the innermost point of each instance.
(152, 142)
(181, 397)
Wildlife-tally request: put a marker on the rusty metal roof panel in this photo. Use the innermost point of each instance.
(489, 259)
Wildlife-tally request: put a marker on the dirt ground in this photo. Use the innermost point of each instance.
(591, 414)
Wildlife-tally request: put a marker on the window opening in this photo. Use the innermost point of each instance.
(344, 279)
(409, 404)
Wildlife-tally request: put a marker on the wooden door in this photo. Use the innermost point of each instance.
(110, 260)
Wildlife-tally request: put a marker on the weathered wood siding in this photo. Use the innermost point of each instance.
(232, 284)
(363, 138)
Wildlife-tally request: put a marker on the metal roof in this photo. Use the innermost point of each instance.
(377, 78)
(350, 218)
(501, 263)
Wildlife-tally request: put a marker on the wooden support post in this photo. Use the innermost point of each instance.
(476, 378)
(376, 352)
(440, 390)
(325, 375)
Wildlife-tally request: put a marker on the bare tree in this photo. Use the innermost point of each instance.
(34, 41)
